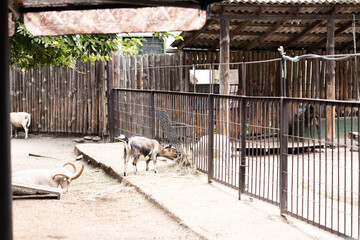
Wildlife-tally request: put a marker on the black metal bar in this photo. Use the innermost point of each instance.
(243, 79)
(5, 169)
(358, 171)
(243, 148)
(211, 137)
(284, 114)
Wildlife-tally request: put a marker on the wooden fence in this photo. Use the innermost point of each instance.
(75, 101)
(62, 99)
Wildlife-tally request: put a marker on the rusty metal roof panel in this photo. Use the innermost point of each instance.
(296, 24)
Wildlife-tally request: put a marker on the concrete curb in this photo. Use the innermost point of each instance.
(112, 173)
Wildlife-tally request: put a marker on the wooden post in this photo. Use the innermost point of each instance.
(330, 80)
(224, 70)
(224, 56)
(5, 169)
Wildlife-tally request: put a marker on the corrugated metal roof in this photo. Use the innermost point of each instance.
(268, 24)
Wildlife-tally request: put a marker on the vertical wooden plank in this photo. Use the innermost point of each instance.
(121, 68)
(157, 72)
(173, 73)
(139, 72)
(181, 79)
(117, 69)
(127, 75)
(51, 98)
(132, 72)
(162, 72)
(337, 80)
(94, 98)
(151, 71)
(146, 72)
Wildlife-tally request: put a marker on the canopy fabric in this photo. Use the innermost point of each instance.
(116, 20)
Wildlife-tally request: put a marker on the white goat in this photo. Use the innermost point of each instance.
(20, 119)
(150, 149)
(221, 146)
(45, 177)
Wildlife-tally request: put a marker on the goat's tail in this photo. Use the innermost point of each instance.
(29, 120)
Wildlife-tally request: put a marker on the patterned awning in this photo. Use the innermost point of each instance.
(124, 20)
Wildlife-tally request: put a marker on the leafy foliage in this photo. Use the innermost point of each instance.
(27, 51)
(164, 35)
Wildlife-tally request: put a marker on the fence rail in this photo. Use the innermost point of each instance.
(283, 150)
(75, 100)
(308, 176)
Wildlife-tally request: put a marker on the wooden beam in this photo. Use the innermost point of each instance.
(350, 44)
(330, 80)
(265, 35)
(13, 5)
(337, 32)
(235, 31)
(270, 31)
(279, 17)
(303, 33)
(195, 34)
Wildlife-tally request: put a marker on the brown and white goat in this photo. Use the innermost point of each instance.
(137, 147)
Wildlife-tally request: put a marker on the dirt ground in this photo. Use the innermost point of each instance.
(95, 207)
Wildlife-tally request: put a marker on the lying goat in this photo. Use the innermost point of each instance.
(20, 119)
(150, 149)
(45, 177)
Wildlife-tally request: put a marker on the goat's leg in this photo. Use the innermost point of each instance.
(15, 130)
(135, 166)
(154, 160)
(147, 165)
(126, 160)
(26, 130)
(11, 131)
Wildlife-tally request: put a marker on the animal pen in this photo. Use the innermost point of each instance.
(278, 148)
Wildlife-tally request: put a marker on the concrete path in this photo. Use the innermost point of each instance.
(211, 210)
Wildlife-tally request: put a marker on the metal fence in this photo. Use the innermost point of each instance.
(299, 154)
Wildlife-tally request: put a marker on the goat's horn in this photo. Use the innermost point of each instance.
(71, 164)
(79, 173)
(60, 174)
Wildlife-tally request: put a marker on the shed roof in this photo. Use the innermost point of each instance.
(268, 24)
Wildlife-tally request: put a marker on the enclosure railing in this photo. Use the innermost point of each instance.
(279, 149)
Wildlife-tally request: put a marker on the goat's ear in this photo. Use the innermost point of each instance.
(168, 146)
